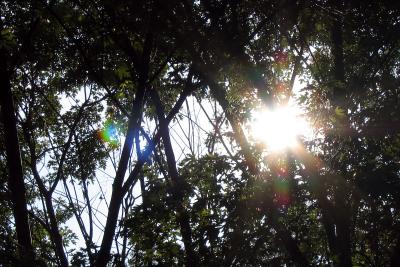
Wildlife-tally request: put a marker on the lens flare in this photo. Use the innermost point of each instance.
(281, 58)
(281, 187)
(109, 133)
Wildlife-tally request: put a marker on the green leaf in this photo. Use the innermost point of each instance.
(123, 72)
(7, 38)
(339, 112)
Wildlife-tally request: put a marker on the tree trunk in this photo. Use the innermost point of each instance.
(117, 193)
(339, 101)
(53, 230)
(178, 185)
(287, 240)
(55, 233)
(15, 174)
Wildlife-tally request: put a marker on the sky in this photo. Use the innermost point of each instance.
(187, 135)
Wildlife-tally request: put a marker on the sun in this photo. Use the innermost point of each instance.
(279, 128)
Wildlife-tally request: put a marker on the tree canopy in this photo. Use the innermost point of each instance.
(127, 133)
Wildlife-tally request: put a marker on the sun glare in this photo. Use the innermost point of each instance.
(279, 128)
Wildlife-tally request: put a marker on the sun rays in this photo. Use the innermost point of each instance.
(279, 128)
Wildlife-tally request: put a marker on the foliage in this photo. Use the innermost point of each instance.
(132, 119)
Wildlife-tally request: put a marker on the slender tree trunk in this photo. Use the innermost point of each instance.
(53, 230)
(339, 100)
(319, 190)
(117, 193)
(15, 174)
(178, 185)
(55, 233)
(285, 236)
(337, 52)
(133, 126)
